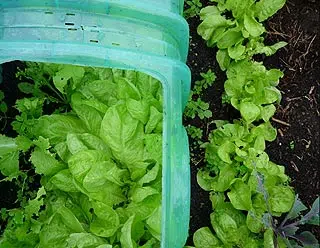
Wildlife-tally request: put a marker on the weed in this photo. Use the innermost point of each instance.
(194, 7)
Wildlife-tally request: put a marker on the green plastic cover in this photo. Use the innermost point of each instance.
(144, 35)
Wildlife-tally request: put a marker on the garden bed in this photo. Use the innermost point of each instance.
(297, 117)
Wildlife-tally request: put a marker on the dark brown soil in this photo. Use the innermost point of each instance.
(297, 119)
(9, 87)
(8, 190)
(300, 90)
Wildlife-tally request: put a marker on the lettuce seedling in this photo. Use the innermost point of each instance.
(251, 89)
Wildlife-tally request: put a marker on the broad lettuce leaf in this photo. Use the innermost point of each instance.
(105, 221)
(229, 225)
(204, 238)
(240, 195)
(85, 240)
(123, 134)
(131, 231)
(66, 73)
(139, 110)
(7, 145)
(155, 119)
(90, 117)
(281, 199)
(63, 180)
(154, 223)
(265, 9)
(56, 127)
(9, 165)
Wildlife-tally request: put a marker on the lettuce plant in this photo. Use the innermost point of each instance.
(235, 155)
(251, 89)
(100, 163)
(247, 190)
(235, 27)
(229, 228)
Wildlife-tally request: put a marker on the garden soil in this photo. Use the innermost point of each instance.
(8, 190)
(297, 119)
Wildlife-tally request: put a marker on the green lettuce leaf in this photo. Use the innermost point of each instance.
(154, 223)
(203, 238)
(123, 134)
(45, 163)
(7, 145)
(56, 127)
(131, 231)
(281, 199)
(264, 9)
(252, 26)
(105, 221)
(89, 116)
(240, 195)
(85, 240)
(63, 180)
(66, 73)
(9, 165)
(139, 110)
(155, 119)
(229, 225)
